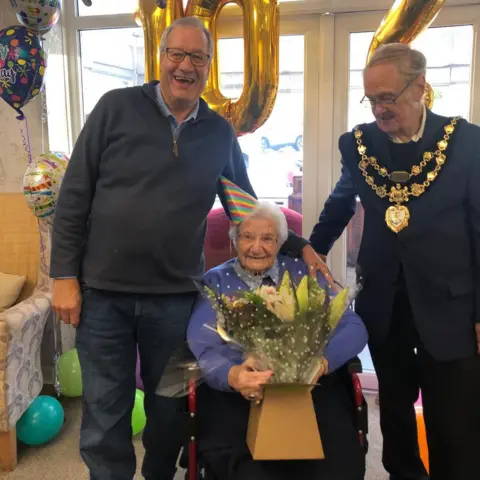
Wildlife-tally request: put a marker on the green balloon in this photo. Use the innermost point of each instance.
(139, 419)
(70, 374)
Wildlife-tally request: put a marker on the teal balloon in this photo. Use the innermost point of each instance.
(139, 419)
(41, 422)
(70, 374)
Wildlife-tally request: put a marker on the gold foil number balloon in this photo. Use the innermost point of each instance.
(261, 58)
(403, 23)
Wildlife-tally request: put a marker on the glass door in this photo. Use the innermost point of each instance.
(282, 153)
(273, 153)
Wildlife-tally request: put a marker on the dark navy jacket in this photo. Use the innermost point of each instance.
(438, 253)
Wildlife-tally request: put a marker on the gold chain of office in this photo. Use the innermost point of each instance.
(398, 215)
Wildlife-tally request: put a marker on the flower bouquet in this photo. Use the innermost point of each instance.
(285, 329)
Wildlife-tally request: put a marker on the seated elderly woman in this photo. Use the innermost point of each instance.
(223, 402)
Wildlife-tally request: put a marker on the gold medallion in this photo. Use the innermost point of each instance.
(397, 217)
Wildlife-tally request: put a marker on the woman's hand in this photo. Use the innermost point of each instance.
(247, 380)
(322, 370)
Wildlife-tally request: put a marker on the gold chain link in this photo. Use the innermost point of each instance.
(398, 194)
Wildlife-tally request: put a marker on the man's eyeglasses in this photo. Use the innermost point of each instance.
(177, 55)
(267, 240)
(387, 99)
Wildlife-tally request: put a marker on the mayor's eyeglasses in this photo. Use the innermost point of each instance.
(387, 99)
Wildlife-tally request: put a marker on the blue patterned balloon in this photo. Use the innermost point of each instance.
(37, 15)
(22, 66)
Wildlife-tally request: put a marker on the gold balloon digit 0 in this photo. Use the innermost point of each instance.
(403, 23)
(261, 57)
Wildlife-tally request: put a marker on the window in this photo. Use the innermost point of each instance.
(107, 7)
(105, 69)
(449, 53)
(115, 7)
(274, 153)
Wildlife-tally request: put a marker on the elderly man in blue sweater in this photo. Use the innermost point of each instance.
(128, 238)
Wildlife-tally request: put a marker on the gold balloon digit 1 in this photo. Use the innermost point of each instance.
(261, 57)
(404, 22)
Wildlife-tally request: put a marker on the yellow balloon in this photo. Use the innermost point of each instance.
(261, 58)
(404, 22)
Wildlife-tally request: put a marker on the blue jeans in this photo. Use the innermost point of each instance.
(111, 326)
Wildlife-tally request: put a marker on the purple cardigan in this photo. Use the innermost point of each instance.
(217, 357)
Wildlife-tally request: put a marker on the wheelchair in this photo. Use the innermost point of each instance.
(190, 460)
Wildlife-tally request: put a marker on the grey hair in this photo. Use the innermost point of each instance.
(194, 22)
(411, 63)
(267, 211)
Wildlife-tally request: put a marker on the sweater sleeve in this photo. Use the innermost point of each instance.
(337, 211)
(214, 356)
(236, 172)
(347, 340)
(76, 194)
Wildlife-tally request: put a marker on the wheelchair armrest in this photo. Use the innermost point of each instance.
(355, 366)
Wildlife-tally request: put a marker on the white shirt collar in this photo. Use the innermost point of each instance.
(418, 135)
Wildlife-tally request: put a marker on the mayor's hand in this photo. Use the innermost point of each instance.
(246, 380)
(67, 300)
(316, 263)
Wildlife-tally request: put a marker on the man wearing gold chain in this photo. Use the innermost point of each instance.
(418, 177)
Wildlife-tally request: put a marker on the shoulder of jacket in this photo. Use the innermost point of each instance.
(348, 138)
(118, 93)
(470, 128)
(207, 112)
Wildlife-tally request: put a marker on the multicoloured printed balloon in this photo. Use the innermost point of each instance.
(37, 15)
(22, 66)
(42, 181)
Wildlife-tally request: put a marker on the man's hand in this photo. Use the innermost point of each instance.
(477, 330)
(67, 300)
(247, 380)
(315, 263)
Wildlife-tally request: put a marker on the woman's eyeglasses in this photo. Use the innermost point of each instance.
(267, 240)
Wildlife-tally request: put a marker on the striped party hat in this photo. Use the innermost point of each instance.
(239, 202)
